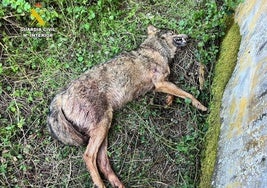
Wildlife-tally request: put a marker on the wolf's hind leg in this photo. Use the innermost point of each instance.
(97, 136)
(105, 167)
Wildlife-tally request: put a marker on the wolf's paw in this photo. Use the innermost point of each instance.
(169, 100)
(198, 105)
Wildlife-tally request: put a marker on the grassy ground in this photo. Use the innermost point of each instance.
(149, 145)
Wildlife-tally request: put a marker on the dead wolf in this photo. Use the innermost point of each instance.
(82, 113)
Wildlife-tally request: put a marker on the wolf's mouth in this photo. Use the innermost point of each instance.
(180, 40)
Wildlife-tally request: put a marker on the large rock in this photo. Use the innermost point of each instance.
(242, 152)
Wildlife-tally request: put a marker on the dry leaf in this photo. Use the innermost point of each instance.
(201, 75)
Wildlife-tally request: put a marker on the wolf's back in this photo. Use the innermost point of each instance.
(61, 128)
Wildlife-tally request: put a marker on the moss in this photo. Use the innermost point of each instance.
(223, 71)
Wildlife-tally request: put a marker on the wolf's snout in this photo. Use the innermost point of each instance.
(180, 40)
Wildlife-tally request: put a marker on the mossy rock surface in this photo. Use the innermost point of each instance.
(223, 71)
(236, 141)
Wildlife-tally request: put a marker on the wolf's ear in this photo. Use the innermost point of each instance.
(151, 30)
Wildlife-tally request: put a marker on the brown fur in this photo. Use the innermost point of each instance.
(84, 110)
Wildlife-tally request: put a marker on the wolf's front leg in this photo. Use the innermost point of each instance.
(170, 88)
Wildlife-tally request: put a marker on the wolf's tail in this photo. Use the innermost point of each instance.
(61, 128)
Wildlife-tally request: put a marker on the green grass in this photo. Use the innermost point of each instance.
(149, 145)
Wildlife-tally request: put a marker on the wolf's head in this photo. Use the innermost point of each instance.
(165, 40)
